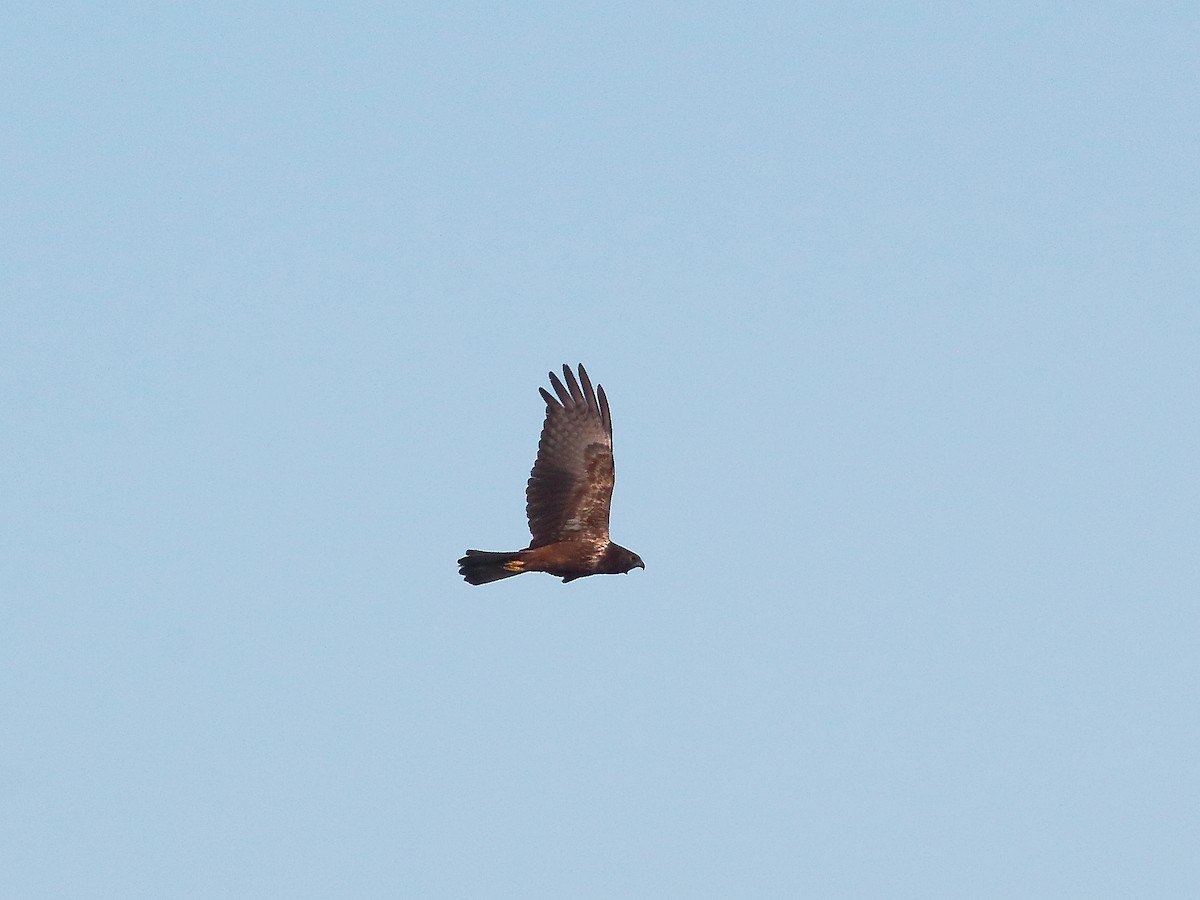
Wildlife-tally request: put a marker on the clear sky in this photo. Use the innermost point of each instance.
(898, 310)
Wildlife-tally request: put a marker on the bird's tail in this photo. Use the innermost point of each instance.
(484, 567)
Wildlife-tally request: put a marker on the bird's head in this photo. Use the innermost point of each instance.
(624, 561)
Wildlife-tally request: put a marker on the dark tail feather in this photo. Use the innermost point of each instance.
(484, 567)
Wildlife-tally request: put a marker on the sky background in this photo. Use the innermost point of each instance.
(896, 306)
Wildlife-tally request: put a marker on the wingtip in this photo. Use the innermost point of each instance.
(575, 391)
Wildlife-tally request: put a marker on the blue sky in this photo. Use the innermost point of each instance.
(896, 307)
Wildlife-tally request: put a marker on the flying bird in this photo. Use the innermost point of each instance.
(568, 494)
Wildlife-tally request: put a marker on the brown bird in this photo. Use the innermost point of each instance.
(568, 495)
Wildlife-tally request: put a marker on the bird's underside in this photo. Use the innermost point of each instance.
(568, 494)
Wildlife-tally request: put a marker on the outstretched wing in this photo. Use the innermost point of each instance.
(570, 488)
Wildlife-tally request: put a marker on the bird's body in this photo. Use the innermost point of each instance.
(568, 494)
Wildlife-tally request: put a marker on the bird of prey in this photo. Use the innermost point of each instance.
(568, 494)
